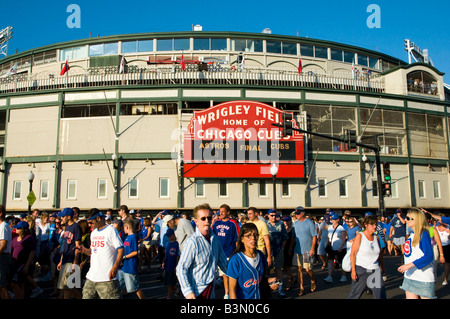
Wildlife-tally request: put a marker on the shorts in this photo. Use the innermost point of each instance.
(337, 255)
(398, 241)
(128, 282)
(64, 273)
(298, 260)
(419, 288)
(101, 290)
(221, 273)
(146, 244)
(170, 278)
(278, 260)
(5, 266)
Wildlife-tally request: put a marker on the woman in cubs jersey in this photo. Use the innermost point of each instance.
(418, 270)
(246, 266)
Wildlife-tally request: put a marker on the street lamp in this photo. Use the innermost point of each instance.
(30, 179)
(274, 172)
(114, 158)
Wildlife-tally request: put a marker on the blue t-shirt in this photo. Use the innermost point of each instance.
(144, 232)
(277, 235)
(172, 251)
(351, 232)
(303, 232)
(227, 233)
(130, 265)
(248, 277)
(399, 227)
(72, 234)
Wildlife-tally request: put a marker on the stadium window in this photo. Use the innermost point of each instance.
(246, 45)
(374, 63)
(101, 188)
(150, 108)
(201, 44)
(145, 46)
(336, 55)
(285, 191)
(343, 187)
(349, 57)
(133, 188)
(307, 50)
(421, 185)
(71, 189)
(129, 47)
(199, 188)
(262, 189)
(72, 53)
(163, 187)
(273, 47)
(223, 189)
(436, 189)
(17, 190)
(88, 110)
(322, 182)
(43, 194)
(363, 60)
(321, 52)
(289, 48)
(182, 44)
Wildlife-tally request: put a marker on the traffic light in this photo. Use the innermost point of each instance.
(387, 180)
(350, 139)
(387, 189)
(387, 172)
(287, 124)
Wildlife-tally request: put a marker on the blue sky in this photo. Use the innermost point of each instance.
(39, 23)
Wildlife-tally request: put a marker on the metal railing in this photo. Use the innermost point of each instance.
(174, 76)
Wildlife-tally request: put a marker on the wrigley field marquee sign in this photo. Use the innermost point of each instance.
(237, 140)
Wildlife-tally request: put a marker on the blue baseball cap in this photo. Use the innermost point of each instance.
(169, 232)
(287, 218)
(22, 225)
(299, 210)
(334, 216)
(99, 214)
(66, 212)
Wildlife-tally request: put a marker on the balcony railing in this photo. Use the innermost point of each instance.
(174, 76)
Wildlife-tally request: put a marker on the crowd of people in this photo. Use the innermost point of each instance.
(254, 254)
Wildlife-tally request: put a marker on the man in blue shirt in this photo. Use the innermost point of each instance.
(226, 231)
(277, 236)
(305, 234)
(398, 231)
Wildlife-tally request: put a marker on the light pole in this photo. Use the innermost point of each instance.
(274, 172)
(30, 179)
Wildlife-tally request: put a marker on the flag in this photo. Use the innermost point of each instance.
(13, 70)
(353, 69)
(65, 69)
(123, 62)
(300, 68)
(183, 65)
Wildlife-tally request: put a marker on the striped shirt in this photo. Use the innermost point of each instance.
(198, 262)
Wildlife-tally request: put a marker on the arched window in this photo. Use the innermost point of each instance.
(422, 82)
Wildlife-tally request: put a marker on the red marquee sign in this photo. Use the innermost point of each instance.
(237, 140)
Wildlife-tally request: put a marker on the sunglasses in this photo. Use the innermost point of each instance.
(206, 218)
(409, 218)
(272, 215)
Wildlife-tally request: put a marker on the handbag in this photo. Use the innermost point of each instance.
(328, 248)
(346, 263)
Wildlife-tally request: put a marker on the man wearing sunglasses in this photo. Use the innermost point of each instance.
(201, 255)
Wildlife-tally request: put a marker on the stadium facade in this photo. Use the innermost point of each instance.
(120, 126)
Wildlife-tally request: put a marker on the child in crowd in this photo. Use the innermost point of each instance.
(172, 255)
(128, 274)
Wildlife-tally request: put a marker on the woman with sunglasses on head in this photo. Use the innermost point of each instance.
(365, 260)
(418, 270)
(247, 265)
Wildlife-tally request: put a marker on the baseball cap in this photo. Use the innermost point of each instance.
(368, 214)
(270, 211)
(166, 219)
(334, 216)
(24, 215)
(66, 212)
(22, 225)
(169, 232)
(287, 218)
(299, 210)
(165, 212)
(398, 210)
(99, 214)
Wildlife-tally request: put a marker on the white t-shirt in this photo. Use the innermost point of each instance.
(6, 234)
(104, 246)
(336, 239)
